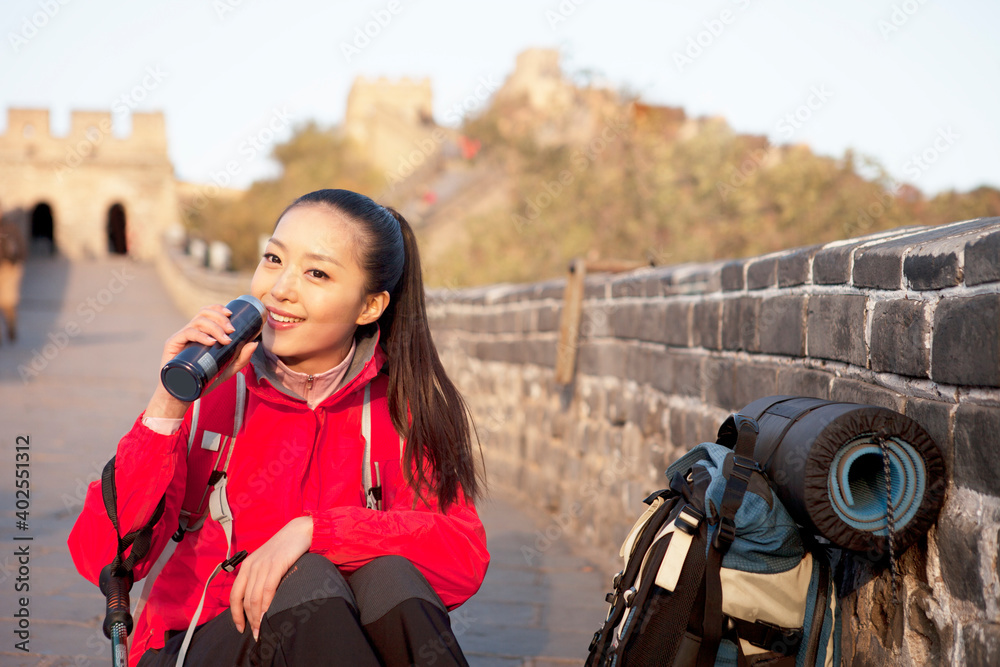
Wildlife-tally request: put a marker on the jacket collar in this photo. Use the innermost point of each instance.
(368, 361)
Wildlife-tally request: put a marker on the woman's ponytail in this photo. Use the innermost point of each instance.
(439, 430)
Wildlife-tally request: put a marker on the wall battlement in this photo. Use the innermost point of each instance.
(29, 135)
(907, 319)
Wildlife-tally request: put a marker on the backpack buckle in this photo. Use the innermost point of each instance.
(726, 533)
(689, 519)
(230, 563)
(744, 467)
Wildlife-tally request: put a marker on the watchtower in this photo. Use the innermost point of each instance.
(89, 193)
(387, 117)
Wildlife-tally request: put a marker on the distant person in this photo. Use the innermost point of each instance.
(335, 575)
(13, 252)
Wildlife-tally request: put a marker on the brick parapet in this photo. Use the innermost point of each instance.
(908, 319)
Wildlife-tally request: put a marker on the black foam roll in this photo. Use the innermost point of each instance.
(825, 460)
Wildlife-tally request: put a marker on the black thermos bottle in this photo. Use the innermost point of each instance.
(186, 375)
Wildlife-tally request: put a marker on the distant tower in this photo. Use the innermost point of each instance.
(89, 193)
(387, 119)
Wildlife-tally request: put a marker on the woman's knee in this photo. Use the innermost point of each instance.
(312, 577)
(385, 583)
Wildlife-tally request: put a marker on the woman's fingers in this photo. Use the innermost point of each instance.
(252, 594)
(209, 326)
(236, 599)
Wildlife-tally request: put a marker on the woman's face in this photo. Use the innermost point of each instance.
(313, 289)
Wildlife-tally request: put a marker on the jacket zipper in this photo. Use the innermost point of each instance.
(309, 383)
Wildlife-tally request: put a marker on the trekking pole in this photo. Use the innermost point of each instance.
(118, 619)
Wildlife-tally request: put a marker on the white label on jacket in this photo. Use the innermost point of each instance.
(211, 441)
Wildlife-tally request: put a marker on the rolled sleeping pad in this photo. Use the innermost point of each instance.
(826, 465)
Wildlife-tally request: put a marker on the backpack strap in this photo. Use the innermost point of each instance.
(372, 491)
(743, 467)
(218, 503)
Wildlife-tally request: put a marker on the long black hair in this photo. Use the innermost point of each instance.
(425, 405)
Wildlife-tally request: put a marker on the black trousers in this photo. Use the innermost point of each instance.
(385, 613)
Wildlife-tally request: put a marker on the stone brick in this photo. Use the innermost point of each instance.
(732, 276)
(958, 551)
(515, 293)
(793, 267)
(625, 321)
(685, 428)
(541, 352)
(936, 418)
(602, 358)
(677, 323)
(780, 329)
(934, 266)
(982, 258)
(753, 381)
(651, 322)
(657, 282)
(594, 287)
(719, 378)
(762, 273)
(640, 362)
(548, 317)
(705, 324)
(626, 286)
(881, 265)
(855, 391)
(601, 318)
(739, 323)
(899, 335)
(976, 459)
(553, 289)
(836, 327)
(795, 381)
(966, 341)
(832, 266)
(681, 375)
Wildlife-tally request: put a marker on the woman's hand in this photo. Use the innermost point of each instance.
(262, 571)
(211, 325)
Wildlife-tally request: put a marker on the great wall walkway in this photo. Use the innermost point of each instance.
(91, 333)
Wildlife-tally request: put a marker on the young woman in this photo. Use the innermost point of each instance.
(335, 574)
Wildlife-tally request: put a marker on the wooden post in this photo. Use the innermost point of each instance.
(569, 322)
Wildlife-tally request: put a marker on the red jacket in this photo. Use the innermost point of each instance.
(288, 461)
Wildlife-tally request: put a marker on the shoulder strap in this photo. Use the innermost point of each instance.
(184, 522)
(218, 503)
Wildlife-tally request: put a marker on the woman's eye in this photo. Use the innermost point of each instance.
(271, 258)
(316, 273)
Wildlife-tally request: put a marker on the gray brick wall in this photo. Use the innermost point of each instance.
(907, 319)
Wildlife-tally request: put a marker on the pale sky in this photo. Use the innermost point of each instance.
(892, 79)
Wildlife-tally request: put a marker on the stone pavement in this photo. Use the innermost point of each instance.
(82, 370)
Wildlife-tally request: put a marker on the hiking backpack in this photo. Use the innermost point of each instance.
(717, 573)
